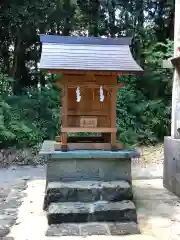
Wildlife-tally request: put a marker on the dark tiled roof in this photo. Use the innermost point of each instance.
(84, 53)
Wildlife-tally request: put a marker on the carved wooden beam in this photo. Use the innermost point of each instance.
(90, 85)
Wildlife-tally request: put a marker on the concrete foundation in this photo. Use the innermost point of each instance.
(171, 176)
(96, 165)
(85, 186)
(88, 169)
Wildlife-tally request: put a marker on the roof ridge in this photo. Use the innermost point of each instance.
(84, 40)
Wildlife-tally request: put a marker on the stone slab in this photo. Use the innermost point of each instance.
(48, 150)
(114, 211)
(116, 191)
(9, 207)
(70, 229)
(94, 228)
(87, 191)
(126, 228)
(171, 174)
(4, 230)
(68, 170)
(91, 212)
(104, 237)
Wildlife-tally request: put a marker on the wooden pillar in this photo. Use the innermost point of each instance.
(113, 118)
(64, 136)
(175, 124)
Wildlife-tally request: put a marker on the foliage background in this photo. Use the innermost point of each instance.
(29, 100)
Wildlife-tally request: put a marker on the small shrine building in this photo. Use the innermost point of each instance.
(89, 67)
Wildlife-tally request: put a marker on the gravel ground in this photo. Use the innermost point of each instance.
(13, 182)
(10, 200)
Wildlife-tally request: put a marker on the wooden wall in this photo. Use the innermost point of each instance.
(90, 104)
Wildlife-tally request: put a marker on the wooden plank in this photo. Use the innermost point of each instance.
(113, 117)
(82, 130)
(65, 106)
(82, 72)
(87, 114)
(89, 146)
(89, 85)
(64, 119)
(64, 146)
(102, 73)
(83, 139)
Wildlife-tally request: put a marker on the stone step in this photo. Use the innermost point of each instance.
(87, 191)
(100, 211)
(94, 228)
(104, 237)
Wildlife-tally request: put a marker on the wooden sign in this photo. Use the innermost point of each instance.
(88, 122)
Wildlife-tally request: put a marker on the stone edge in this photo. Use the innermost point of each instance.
(48, 151)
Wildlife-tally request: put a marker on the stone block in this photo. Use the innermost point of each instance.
(123, 228)
(68, 212)
(89, 229)
(171, 175)
(114, 211)
(82, 191)
(116, 191)
(87, 191)
(91, 212)
(88, 169)
(70, 229)
(93, 228)
(4, 231)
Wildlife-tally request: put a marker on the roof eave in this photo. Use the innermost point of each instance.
(118, 72)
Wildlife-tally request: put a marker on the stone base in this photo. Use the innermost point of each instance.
(87, 165)
(87, 169)
(100, 211)
(89, 186)
(90, 229)
(171, 178)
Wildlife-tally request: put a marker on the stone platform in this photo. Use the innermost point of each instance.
(81, 165)
(89, 189)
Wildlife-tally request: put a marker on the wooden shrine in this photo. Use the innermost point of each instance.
(89, 69)
(89, 113)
